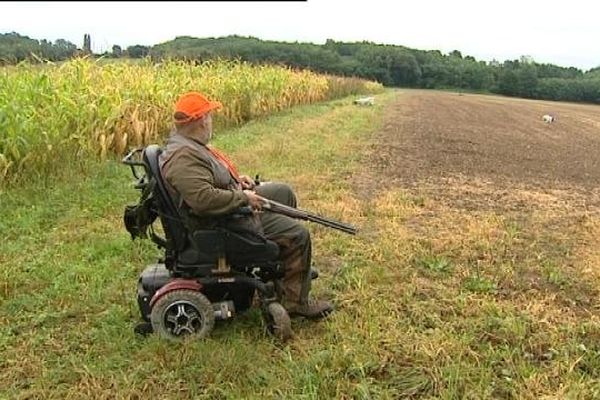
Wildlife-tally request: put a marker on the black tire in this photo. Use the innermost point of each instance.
(278, 322)
(182, 314)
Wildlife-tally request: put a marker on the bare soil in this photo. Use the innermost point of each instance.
(474, 150)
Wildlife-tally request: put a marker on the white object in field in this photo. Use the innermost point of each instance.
(547, 118)
(365, 101)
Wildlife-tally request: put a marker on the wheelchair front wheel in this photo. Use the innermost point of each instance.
(278, 322)
(182, 314)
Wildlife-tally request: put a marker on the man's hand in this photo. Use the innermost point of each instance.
(254, 201)
(247, 182)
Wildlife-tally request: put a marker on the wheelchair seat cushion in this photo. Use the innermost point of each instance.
(239, 248)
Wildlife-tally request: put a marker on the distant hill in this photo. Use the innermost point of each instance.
(391, 65)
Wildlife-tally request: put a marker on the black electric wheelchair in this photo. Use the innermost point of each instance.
(205, 275)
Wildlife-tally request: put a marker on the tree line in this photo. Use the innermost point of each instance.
(15, 48)
(400, 66)
(391, 65)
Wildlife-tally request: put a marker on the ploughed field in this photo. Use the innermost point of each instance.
(432, 136)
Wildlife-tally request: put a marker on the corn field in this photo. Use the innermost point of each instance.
(85, 107)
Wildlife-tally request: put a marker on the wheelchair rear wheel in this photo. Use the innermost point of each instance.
(183, 314)
(278, 322)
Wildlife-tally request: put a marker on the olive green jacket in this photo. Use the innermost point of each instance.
(201, 185)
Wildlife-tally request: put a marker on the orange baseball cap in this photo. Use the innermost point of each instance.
(194, 105)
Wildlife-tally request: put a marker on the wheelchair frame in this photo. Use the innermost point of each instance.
(204, 275)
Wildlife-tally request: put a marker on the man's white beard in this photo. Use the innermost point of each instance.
(205, 137)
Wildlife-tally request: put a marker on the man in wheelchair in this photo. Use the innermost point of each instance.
(207, 188)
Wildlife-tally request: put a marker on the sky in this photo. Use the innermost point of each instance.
(562, 32)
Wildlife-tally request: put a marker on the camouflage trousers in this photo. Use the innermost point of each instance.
(294, 243)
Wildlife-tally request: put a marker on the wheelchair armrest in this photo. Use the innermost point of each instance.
(241, 247)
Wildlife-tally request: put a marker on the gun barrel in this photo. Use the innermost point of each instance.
(333, 224)
(279, 208)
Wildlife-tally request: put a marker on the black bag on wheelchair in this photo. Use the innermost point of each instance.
(139, 217)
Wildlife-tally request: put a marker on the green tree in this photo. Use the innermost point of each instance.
(64, 49)
(508, 82)
(117, 52)
(527, 81)
(138, 51)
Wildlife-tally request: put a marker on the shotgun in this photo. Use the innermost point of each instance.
(297, 213)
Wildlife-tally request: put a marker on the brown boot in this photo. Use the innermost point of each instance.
(314, 309)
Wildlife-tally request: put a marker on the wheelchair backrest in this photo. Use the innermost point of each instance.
(175, 231)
